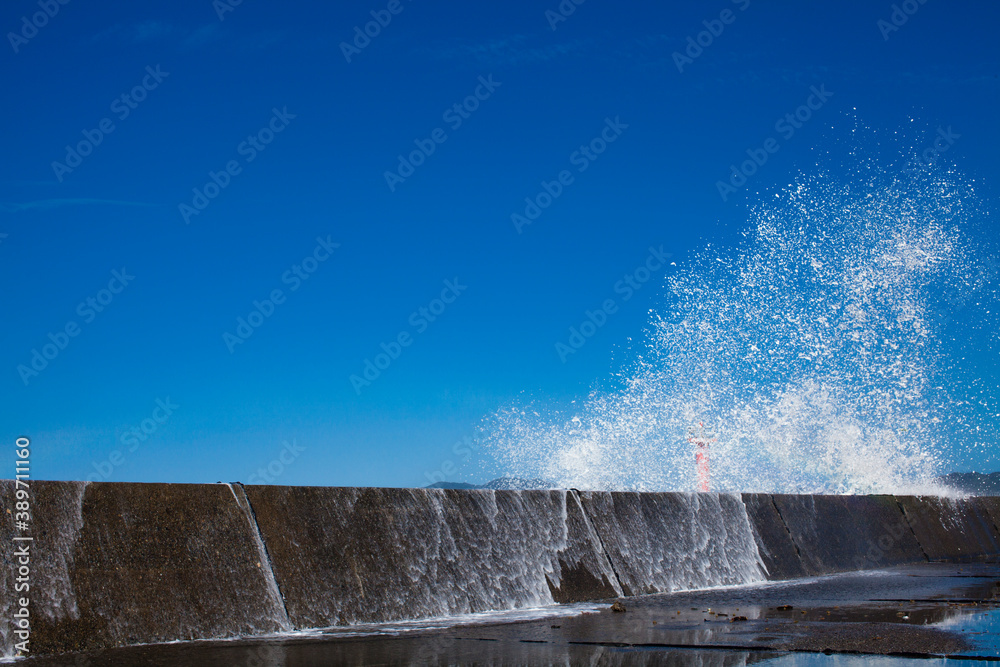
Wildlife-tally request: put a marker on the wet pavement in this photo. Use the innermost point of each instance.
(922, 614)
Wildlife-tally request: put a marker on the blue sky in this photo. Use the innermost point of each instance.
(257, 104)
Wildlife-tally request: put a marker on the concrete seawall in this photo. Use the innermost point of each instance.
(115, 564)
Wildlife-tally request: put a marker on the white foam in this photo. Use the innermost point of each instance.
(813, 351)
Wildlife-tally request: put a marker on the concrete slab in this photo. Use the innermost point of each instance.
(777, 550)
(924, 610)
(660, 542)
(119, 564)
(844, 533)
(348, 555)
(952, 529)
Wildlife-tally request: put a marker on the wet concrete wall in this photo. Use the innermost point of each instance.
(116, 564)
(952, 529)
(344, 555)
(842, 533)
(662, 542)
(779, 554)
(119, 564)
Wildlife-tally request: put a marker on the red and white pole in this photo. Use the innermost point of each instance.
(701, 455)
(702, 459)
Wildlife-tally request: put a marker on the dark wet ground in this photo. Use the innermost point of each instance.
(909, 614)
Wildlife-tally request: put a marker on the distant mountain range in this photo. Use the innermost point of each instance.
(498, 483)
(974, 483)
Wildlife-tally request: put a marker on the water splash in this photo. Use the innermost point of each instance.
(813, 350)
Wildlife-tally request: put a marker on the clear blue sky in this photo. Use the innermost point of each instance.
(267, 92)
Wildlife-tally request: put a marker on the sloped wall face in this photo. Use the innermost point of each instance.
(115, 564)
(8, 569)
(953, 529)
(778, 553)
(988, 510)
(118, 564)
(661, 542)
(344, 556)
(843, 533)
(55, 525)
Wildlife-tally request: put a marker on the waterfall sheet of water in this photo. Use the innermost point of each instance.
(56, 522)
(665, 542)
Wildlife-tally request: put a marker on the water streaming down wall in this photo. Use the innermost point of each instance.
(7, 573)
(275, 601)
(662, 542)
(345, 555)
(51, 553)
(118, 564)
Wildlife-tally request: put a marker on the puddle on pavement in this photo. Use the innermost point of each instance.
(820, 660)
(981, 629)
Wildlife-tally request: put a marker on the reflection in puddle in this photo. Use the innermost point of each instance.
(820, 660)
(981, 629)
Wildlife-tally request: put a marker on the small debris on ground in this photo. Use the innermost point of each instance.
(618, 607)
